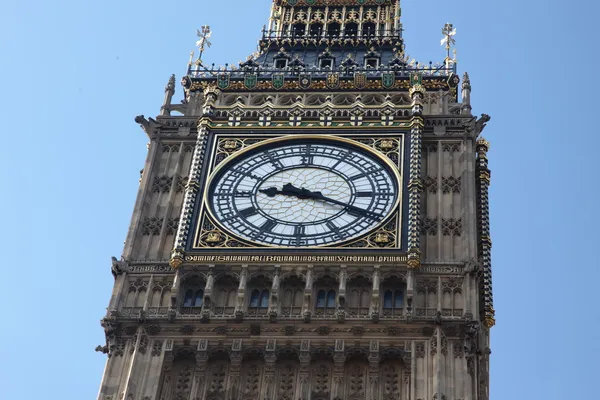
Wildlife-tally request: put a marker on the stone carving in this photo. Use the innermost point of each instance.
(143, 344)
(420, 350)
(451, 226)
(356, 381)
(217, 384)
(321, 383)
(287, 377)
(157, 346)
(429, 226)
(431, 184)
(451, 184)
(151, 226)
(391, 382)
(162, 184)
(252, 381)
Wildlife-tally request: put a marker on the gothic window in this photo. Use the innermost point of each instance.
(193, 298)
(351, 29)
(359, 297)
(325, 302)
(316, 30)
(369, 30)
(326, 63)
(333, 30)
(298, 30)
(292, 290)
(393, 297)
(258, 301)
(426, 299)
(371, 63)
(226, 294)
(281, 63)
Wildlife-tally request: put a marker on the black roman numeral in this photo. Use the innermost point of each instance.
(268, 226)
(364, 194)
(248, 212)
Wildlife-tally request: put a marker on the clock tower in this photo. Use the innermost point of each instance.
(311, 224)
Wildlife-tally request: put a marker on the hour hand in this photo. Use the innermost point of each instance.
(271, 192)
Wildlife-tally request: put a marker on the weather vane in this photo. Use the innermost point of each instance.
(449, 32)
(203, 42)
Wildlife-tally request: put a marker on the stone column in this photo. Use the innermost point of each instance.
(199, 383)
(306, 307)
(233, 385)
(303, 389)
(415, 186)
(269, 377)
(274, 301)
(374, 359)
(193, 187)
(375, 295)
(339, 361)
(239, 304)
(485, 242)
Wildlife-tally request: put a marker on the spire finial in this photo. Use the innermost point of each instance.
(449, 32)
(203, 41)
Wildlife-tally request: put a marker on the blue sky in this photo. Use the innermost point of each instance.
(75, 73)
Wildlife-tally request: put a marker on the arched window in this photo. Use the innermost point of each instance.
(398, 299)
(199, 298)
(298, 30)
(293, 296)
(333, 30)
(331, 298)
(189, 298)
(193, 299)
(255, 298)
(351, 29)
(393, 298)
(388, 299)
(369, 30)
(316, 30)
(321, 299)
(264, 299)
(326, 296)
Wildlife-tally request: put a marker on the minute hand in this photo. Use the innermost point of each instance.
(319, 196)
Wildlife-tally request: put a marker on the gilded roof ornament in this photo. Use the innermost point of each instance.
(203, 41)
(449, 31)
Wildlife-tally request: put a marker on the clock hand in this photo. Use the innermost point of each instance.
(290, 190)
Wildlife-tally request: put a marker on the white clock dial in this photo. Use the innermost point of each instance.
(301, 193)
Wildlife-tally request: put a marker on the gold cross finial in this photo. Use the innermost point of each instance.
(203, 41)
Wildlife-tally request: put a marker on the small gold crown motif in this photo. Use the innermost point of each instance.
(382, 238)
(213, 237)
(230, 145)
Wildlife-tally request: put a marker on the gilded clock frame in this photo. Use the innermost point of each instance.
(213, 168)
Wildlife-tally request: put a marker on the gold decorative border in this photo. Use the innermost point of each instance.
(199, 84)
(389, 149)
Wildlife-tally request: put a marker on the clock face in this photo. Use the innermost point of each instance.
(303, 192)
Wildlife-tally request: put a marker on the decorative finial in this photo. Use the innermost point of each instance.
(203, 42)
(449, 32)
